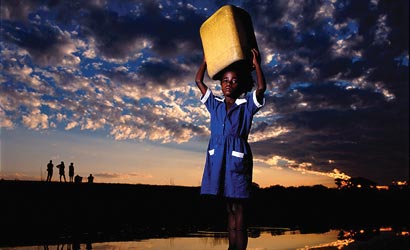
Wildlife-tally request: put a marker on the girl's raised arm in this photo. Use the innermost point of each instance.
(261, 83)
(199, 79)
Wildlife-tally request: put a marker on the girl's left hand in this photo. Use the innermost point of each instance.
(256, 60)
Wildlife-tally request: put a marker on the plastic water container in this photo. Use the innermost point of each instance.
(227, 37)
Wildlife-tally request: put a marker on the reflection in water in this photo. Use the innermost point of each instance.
(258, 238)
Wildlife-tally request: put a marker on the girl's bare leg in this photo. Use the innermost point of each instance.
(231, 225)
(231, 215)
(238, 235)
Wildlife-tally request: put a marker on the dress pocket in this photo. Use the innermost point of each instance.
(237, 154)
(237, 159)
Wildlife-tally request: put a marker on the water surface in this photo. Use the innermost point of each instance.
(258, 239)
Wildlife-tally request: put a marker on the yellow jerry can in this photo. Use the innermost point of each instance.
(227, 37)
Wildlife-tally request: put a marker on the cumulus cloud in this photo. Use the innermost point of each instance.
(5, 122)
(35, 120)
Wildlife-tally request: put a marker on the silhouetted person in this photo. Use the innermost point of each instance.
(76, 245)
(78, 179)
(71, 172)
(61, 171)
(50, 166)
(88, 245)
(90, 178)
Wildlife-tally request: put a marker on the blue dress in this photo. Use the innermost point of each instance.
(229, 163)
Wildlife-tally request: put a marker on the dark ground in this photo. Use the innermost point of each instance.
(34, 212)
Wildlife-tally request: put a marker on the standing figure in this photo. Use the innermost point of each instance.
(90, 178)
(61, 171)
(71, 172)
(229, 162)
(50, 166)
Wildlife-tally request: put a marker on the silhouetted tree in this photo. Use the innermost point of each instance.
(339, 183)
(360, 182)
(319, 187)
(255, 186)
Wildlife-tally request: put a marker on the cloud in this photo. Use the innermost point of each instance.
(18, 10)
(337, 73)
(15, 176)
(5, 122)
(46, 44)
(336, 84)
(351, 139)
(163, 120)
(145, 26)
(35, 120)
(121, 176)
(71, 125)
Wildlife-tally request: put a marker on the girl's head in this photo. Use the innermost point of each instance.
(236, 80)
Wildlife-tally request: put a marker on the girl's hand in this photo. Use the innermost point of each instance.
(261, 83)
(256, 59)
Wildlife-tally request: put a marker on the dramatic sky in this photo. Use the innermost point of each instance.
(109, 85)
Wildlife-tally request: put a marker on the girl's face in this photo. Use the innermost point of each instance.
(230, 84)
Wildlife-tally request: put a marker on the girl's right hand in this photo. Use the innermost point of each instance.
(256, 59)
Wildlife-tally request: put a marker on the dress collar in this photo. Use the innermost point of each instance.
(238, 101)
